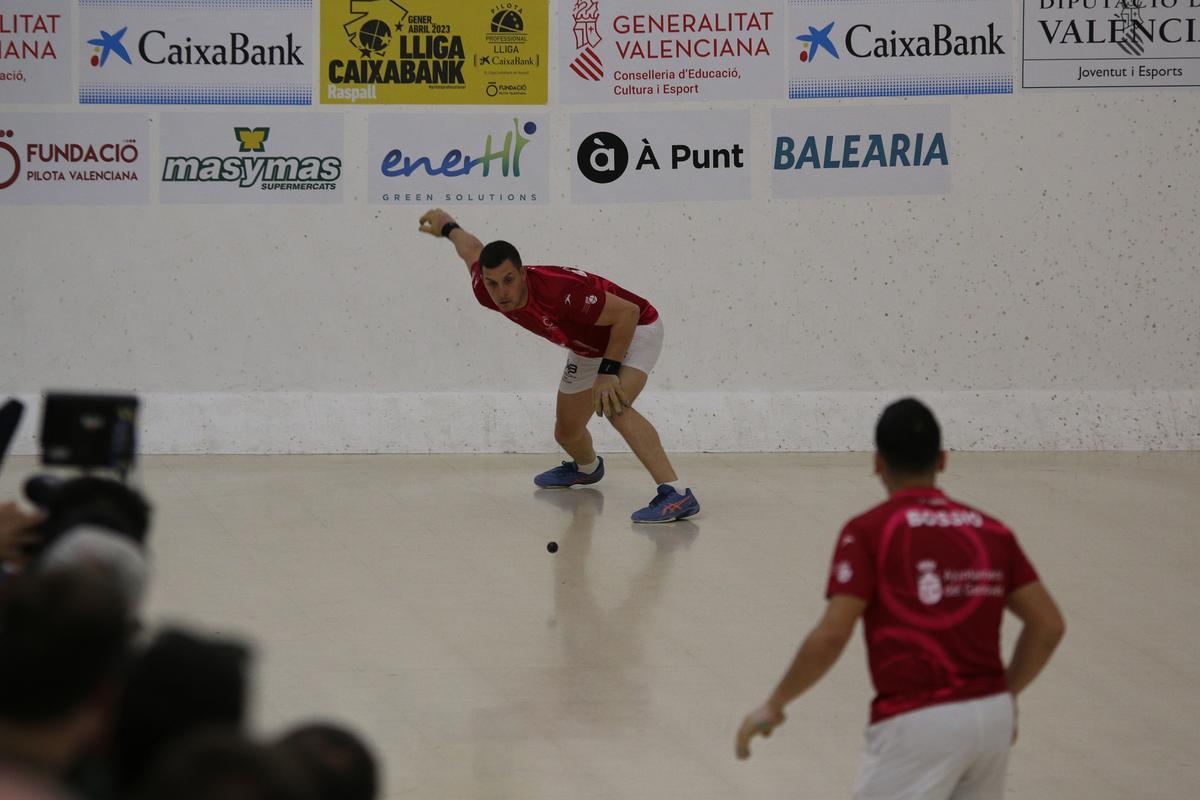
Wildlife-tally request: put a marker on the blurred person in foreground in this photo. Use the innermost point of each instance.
(337, 764)
(63, 642)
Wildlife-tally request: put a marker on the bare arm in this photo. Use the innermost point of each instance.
(608, 397)
(466, 245)
(1043, 630)
(820, 651)
(17, 531)
(622, 316)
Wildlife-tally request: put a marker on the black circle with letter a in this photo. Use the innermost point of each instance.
(602, 157)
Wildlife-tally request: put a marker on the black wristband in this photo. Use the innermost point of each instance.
(449, 226)
(609, 367)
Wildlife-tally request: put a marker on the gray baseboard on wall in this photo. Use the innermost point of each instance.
(470, 422)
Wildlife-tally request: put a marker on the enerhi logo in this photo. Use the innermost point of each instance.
(455, 163)
(250, 171)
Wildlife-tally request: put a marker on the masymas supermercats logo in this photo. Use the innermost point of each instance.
(251, 168)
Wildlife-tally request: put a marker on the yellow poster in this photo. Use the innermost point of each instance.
(432, 51)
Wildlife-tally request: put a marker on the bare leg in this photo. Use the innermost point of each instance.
(638, 433)
(571, 416)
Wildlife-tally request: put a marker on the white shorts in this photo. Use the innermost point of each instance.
(953, 751)
(580, 372)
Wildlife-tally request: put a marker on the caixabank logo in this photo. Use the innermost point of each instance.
(862, 41)
(196, 51)
(159, 47)
(898, 48)
(252, 168)
(395, 47)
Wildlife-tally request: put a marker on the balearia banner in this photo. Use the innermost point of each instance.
(876, 150)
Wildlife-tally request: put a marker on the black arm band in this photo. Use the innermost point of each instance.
(610, 367)
(449, 226)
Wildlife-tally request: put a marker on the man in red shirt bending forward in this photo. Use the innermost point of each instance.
(931, 578)
(615, 338)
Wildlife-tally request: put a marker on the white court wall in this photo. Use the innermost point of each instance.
(1050, 301)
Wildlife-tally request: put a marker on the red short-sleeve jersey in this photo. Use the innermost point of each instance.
(564, 304)
(935, 574)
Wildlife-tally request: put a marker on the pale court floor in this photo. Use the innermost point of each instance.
(413, 597)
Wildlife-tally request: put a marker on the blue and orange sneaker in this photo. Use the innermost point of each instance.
(568, 475)
(668, 505)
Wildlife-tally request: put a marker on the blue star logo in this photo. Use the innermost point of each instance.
(817, 39)
(111, 43)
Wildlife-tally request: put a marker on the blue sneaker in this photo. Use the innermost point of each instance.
(568, 475)
(668, 505)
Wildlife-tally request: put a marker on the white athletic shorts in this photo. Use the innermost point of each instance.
(953, 751)
(580, 373)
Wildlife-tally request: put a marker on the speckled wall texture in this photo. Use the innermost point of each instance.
(1051, 300)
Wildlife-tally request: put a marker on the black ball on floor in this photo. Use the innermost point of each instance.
(552, 547)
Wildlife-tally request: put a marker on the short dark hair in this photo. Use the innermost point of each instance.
(496, 253)
(908, 437)
(338, 764)
(177, 685)
(64, 635)
(223, 765)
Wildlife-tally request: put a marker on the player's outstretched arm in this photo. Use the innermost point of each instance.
(817, 654)
(439, 224)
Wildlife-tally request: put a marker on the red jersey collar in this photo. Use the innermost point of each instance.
(917, 492)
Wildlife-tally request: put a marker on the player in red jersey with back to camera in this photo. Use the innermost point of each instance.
(931, 578)
(615, 338)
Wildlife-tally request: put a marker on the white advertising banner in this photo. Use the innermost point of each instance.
(625, 50)
(490, 159)
(196, 52)
(877, 150)
(35, 51)
(1086, 44)
(251, 157)
(74, 159)
(891, 48)
(662, 156)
